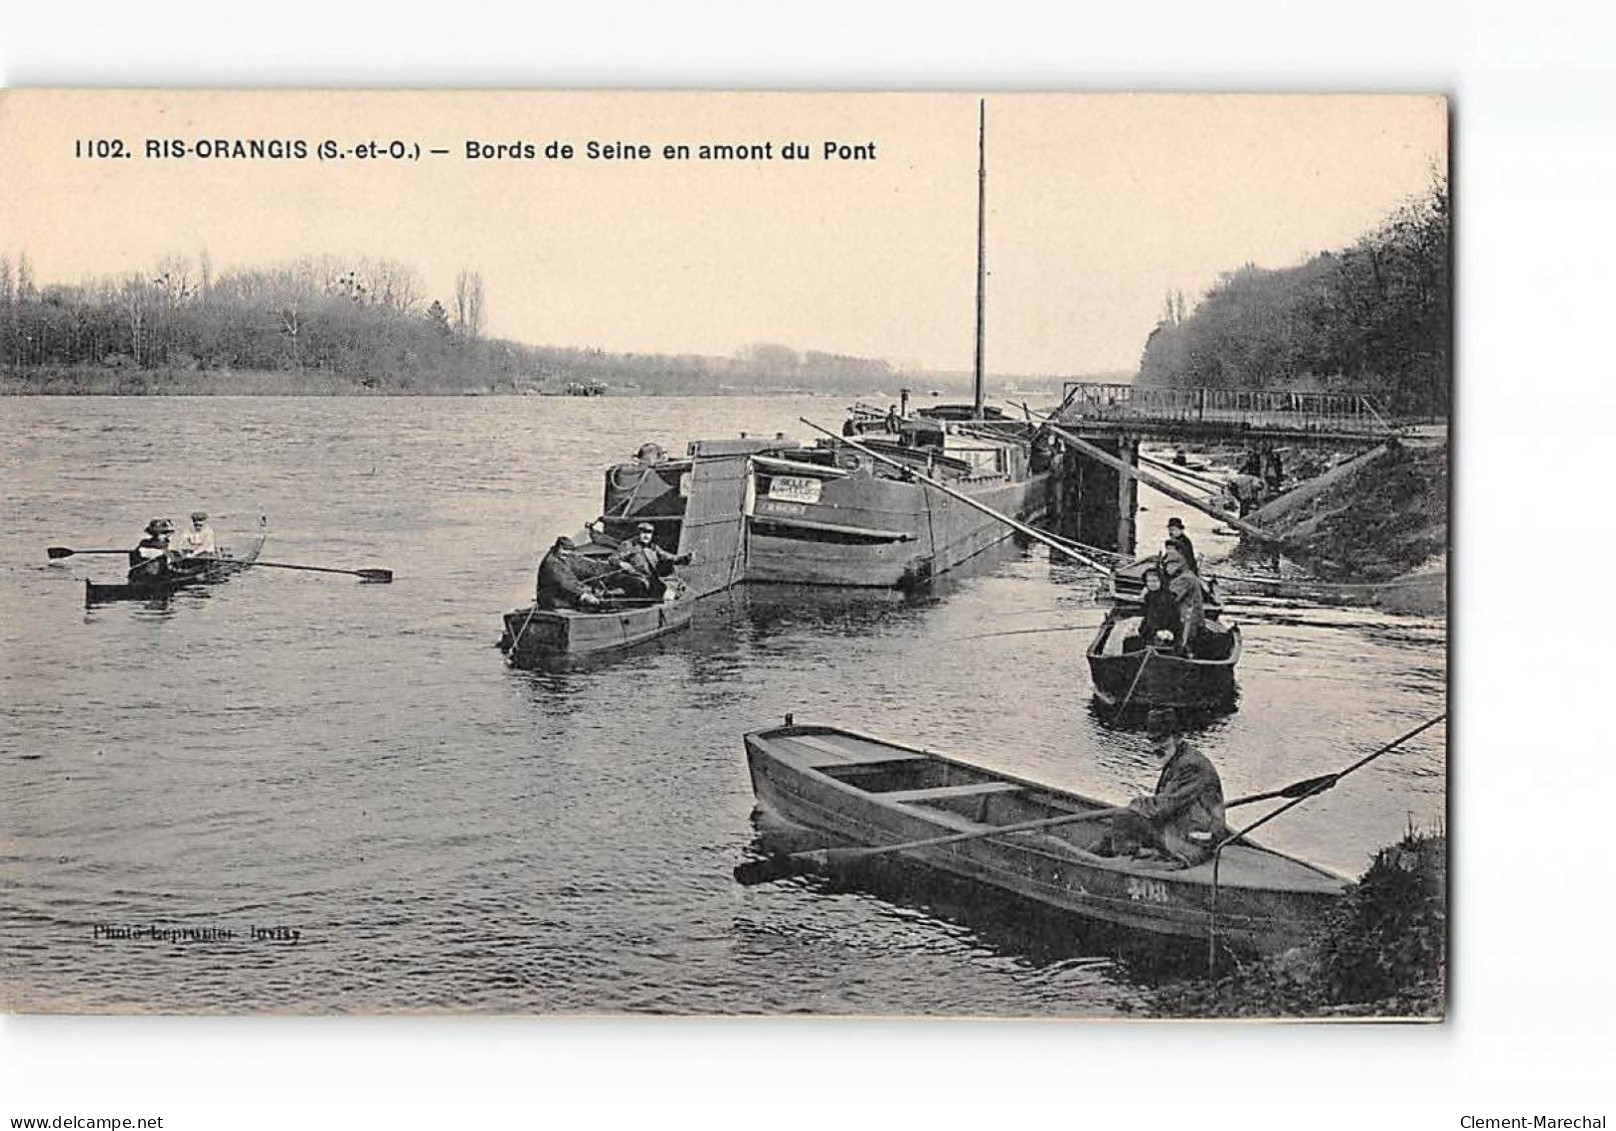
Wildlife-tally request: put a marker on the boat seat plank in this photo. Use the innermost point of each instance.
(937, 793)
(850, 749)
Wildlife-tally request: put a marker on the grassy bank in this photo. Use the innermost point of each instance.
(113, 381)
(1376, 525)
(1384, 517)
(1383, 953)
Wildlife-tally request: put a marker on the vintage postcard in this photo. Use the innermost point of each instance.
(931, 555)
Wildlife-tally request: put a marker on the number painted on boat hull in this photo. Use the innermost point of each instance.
(1146, 891)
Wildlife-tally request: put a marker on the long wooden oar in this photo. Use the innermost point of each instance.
(54, 552)
(1030, 531)
(822, 859)
(380, 576)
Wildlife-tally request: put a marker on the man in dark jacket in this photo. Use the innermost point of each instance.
(561, 578)
(1184, 817)
(643, 564)
(1186, 590)
(1178, 540)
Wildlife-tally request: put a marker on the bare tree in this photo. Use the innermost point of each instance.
(7, 316)
(469, 304)
(136, 301)
(476, 310)
(26, 291)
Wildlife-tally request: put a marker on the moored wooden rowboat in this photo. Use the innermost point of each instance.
(557, 636)
(1151, 677)
(871, 792)
(208, 570)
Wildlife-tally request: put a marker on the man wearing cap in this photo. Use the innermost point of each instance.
(562, 576)
(1186, 590)
(198, 541)
(1184, 817)
(643, 563)
(1178, 540)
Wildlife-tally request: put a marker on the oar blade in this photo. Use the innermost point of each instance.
(1310, 786)
(54, 552)
(771, 868)
(375, 576)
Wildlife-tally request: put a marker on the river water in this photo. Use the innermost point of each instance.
(298, 752)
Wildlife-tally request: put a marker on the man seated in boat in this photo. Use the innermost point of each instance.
(564, 577)
(642, 564)
(197, 542)
(1160, 623)
(1183, 819)
(1178, 540)
(151, 558)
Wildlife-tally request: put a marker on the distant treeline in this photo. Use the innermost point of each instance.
(329, 322)
(1374, 317)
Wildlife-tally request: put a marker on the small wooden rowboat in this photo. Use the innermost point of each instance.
(872, 792)
(1152, 677)
(146, 586)
(551, 636)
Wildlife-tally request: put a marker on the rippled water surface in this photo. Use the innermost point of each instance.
(357, 763)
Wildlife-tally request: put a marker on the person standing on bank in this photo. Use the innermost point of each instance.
(643, 563)
(1184, 818)
(1178, 540)
(562, 574)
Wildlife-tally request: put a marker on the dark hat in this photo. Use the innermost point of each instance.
(1163, 720)
(646, 528)
(565, 541)
(1178, 522)
(154, 526)
(199, 516)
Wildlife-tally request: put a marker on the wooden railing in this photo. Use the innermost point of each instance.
(1107, 401)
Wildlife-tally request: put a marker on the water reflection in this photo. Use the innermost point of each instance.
(1030, 934)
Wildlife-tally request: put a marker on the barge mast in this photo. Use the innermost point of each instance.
(981, 245)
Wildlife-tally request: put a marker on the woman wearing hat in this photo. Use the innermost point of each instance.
(150, 557)
(197, 541)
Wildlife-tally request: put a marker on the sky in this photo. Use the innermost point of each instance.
(1098, 205)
